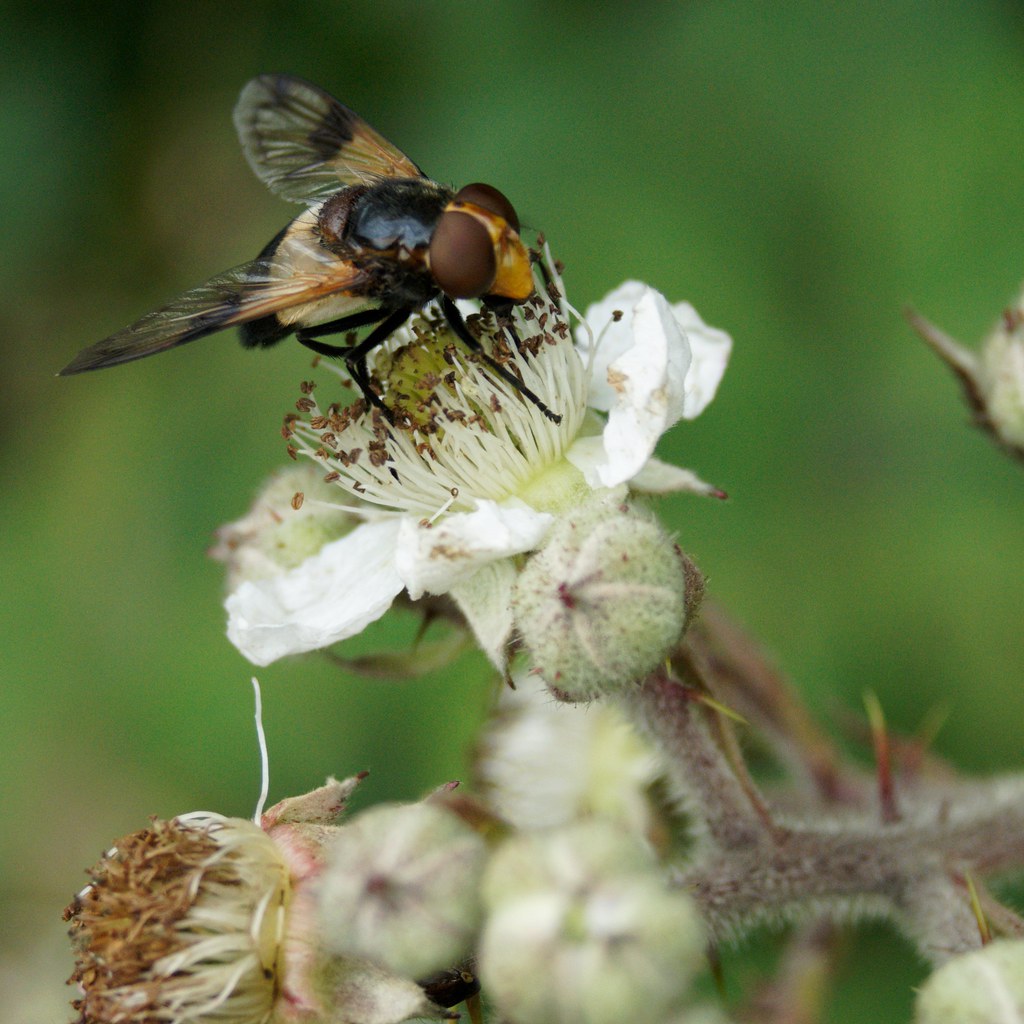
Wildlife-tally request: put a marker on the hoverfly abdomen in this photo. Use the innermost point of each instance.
(263, 331)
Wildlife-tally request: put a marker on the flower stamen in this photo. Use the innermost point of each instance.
(459, 431)
(182, 919)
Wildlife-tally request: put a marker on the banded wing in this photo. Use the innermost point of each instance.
(304, 145)
(300, 283)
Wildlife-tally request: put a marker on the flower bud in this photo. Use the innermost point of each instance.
(583, 929)
(293, 516)
(569, 859)
(1001, 376)
(992, 380)
(604, 601)
(981, 987)
(543, 763)
(401, 888)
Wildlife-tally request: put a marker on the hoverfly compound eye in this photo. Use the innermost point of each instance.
(462, 257)
(491, 199)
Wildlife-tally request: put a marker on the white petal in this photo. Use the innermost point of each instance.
(710, 349)
(333, 595)
(432, 558)
(611, 324)
(657, 477)
(485, 599)
(656, 366)
(649, 383)
(588, 455)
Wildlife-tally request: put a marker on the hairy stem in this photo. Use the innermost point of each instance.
(757, 866)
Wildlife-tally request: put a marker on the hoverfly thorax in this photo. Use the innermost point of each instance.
(332, 220)
(396, 216)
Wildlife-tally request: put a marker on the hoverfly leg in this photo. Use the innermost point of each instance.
(339, 326)
(386, 320)
(458, 325)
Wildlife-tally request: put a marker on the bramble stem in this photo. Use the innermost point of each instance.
(839, 858)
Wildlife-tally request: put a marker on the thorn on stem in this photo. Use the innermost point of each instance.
(883, 759)
(984, 931)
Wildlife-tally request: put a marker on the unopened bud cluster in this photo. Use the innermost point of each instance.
(380, 919)
(579, 925)
(605, 600)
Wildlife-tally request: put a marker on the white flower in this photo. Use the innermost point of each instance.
(471, 472)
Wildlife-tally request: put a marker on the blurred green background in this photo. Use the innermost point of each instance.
(798, 171)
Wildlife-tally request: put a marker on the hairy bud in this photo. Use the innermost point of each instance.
(604, 601)
(543, 763)
(976, 988)
(401, 888)
(581, 921)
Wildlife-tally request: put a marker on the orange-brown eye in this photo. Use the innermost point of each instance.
(490, 199)
(462, 256)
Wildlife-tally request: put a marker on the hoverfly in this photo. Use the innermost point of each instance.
(378, 241)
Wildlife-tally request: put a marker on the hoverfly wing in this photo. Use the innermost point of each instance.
(303, 144)
(197, 312)
(237, 296)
